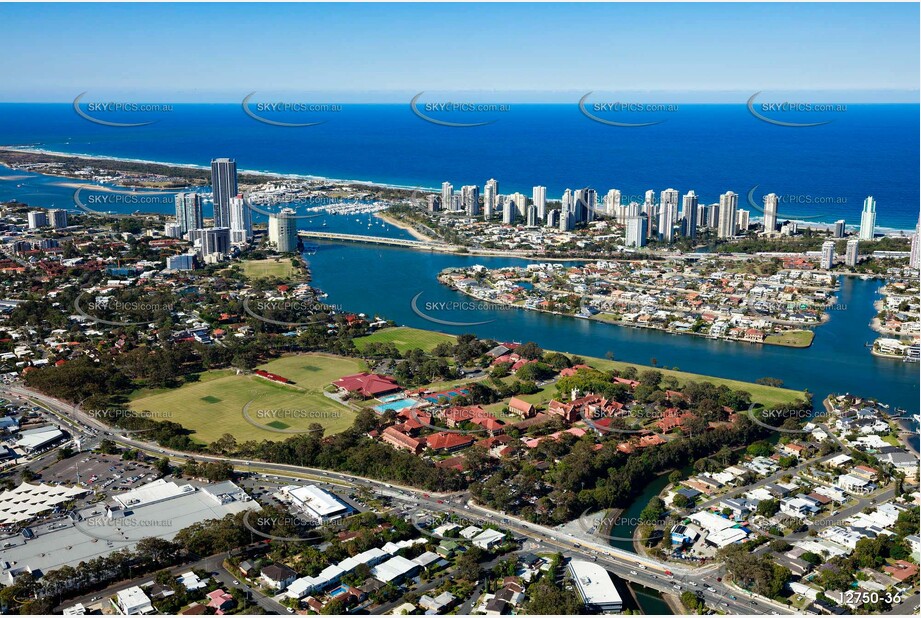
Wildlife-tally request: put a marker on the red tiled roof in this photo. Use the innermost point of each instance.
(398, 439)
(454, 463)
(520, 405)
(446, 440)
(653, 440)
(488, 423)
(902, 570)
(368, 384)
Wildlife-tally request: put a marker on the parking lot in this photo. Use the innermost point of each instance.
(99, 472)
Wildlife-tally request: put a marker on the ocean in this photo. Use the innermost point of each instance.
(821, 173)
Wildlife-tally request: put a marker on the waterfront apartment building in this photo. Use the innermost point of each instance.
(447, 193)
(742, 220)
(490, 198)
(283, 231)
(649, 204)
(770, 213)
(224, 188)
(868, 219)
(188, 212)
(553, 218)
(828, 254)
(532, 220)
(567, 220)
(669, 197)
(509, 210)
(585, 202)
(612, 207)
(839, 228)
(241, 221)
(57, 218)
(689, 210)
(521, 203)
(433, 202)
(702, 210)
(649, 207)
(567, 202)
(470, 196)
(539, 196)
(668, 215)
(635, 236)
(37, 219)
(729, 204)
(851, 252)
(713, 215)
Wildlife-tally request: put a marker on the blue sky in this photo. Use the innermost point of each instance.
(219, 52)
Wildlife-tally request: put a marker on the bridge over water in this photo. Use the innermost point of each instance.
(375, 240)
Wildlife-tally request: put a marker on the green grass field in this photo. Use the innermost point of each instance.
(764, 395)
(792, 339)
(215, 405)
(260, 269)
(405, 338)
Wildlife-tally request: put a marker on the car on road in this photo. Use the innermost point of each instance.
(236, 583)
(633, 573)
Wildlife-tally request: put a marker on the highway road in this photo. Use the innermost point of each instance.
(626, 565)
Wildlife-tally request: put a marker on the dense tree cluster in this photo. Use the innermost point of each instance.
(758, 573)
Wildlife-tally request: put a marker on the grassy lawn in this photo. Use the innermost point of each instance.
(405, 338)
(765, 395)
(792, 339)
(214, 406)
(256, 269)
(892, 440)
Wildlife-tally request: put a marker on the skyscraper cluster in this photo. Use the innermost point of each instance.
(232, 221)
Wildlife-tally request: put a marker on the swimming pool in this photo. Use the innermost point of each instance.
(395, 405)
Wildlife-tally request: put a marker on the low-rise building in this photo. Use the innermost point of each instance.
(132, 602)
(595, 587)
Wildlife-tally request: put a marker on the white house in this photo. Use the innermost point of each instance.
(132, 602)
(488, 539)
